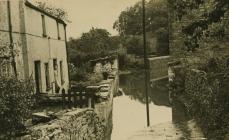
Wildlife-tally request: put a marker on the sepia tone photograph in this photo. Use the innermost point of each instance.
(114, 69)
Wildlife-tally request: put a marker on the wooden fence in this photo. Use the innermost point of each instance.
(78, 98)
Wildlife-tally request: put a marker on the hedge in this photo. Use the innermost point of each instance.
(204, 92)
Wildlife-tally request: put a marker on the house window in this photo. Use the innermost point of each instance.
(47, 79)
(56, 79)
(43, 26)
(37, 69)
(61, 72)
(58, 30)
(55, 64)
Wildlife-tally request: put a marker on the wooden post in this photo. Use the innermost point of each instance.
(92, 99)
(78, 99)
(69, 99)
(63, 99)
(84, 97)
(89, 99)
(75, 99)
(89, 102)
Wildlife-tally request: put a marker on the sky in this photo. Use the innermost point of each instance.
(85, 14)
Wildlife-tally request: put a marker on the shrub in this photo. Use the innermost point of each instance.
(80, 73)
(95, 78)
(84, 76)
(15, 104)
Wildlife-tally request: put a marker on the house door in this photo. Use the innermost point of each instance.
(37, 66)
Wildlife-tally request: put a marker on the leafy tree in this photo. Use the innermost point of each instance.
(162, 36)
(201, 17)
(134, 45)
(91, 45)
(129, 23)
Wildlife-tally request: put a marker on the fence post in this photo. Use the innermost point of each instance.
(78, 99)
(75, 99)
(83, 99)
(90, 99)
(63, 99)
(69, 99)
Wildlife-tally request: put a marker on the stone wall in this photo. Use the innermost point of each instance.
(77, 124)
(80, 124)
(104, 109)
(158, 67)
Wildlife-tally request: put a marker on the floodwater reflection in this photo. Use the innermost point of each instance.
(129, 110)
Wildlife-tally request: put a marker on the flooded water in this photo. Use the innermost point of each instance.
(129, 110)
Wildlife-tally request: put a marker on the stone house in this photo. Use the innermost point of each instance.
(39, 39)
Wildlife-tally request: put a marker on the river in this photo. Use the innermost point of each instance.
(129, 110)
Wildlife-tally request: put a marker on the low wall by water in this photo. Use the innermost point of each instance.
(105, 109)
(158, 67)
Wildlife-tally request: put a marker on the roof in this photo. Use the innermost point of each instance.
(29, 4)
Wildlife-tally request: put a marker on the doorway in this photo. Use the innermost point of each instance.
(37, 69)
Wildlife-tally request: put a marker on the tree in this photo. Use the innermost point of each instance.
(91, 45)
(129, 22)
(134, 45)
(162, 37)
(201, 17)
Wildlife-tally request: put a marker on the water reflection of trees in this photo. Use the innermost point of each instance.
(134, 86)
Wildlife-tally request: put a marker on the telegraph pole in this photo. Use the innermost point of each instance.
(145, 60)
